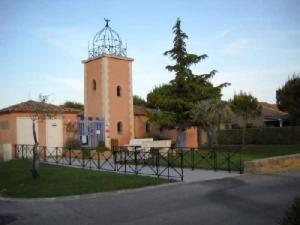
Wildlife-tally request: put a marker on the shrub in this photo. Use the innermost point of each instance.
(72, 143)
(263, 135)
(101, 147)
(292, 215)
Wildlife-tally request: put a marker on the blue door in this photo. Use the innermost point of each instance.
(181, 138)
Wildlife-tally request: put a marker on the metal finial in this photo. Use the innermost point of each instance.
(107, 41)
(107, 21)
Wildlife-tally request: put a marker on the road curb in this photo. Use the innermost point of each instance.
(91, 195)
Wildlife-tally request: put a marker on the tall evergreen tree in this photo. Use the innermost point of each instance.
(288, 98)
(176, 99)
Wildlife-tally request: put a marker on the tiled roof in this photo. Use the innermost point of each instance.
(34, 106)
(271, 110)
(139, 110)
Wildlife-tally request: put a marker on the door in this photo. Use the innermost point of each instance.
(54, 136)
(181, 138)
(25, 134)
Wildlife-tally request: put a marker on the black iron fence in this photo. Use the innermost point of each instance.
(159, 162)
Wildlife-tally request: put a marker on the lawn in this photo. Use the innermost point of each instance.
(227, 158)
(16, 180)
(257, 152)
(202, 158)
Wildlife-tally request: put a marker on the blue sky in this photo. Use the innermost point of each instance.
(255, 45)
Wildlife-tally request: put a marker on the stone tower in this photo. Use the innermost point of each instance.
(108, 86)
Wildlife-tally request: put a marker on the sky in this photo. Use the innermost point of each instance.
(254, 45)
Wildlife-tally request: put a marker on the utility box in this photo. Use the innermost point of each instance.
(7, 152)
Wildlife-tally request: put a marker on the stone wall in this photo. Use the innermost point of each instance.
(274, 164)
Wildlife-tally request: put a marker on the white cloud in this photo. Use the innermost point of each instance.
(236, 46)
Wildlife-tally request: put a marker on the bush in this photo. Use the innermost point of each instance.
(261, 136)
(72, 143)
(292, 215)
(101, 147)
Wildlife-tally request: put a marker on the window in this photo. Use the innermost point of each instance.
(119, 91)
(4, 125)
(94, 85)
(147, 127)
(119, 127)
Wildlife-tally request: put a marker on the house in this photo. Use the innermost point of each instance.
(143, 128)
(270, 116)
(16, 126)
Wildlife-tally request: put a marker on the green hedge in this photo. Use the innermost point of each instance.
(261, 136)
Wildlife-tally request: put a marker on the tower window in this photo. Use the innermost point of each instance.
(94, 85)
(119, 127)
(147, 127)
(119, 91)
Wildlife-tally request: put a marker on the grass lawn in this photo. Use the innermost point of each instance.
(16, 180)
(250, 153)
(257, 152)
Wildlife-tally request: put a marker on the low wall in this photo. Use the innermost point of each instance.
(274, 164)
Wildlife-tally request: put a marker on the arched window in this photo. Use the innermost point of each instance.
(119, 91)
(94, 85)
(119, 127)
(147, 127)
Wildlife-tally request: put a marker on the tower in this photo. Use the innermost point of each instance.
(108, 86)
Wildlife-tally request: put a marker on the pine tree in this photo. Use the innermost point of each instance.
(176, 99)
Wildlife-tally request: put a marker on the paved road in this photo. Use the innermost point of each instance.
(243, 200)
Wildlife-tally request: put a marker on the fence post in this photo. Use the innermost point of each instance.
(115, 159)
(156, 161)
(228, 160)
(16, 150)
(56, 155)
(241, 164)
(193, 158)
(181, 163)
(45, 155)
(215, 155)
(83, 163)
(98, 160)
(169, 164)
(135, 161)
(125, 161)
(70, 156)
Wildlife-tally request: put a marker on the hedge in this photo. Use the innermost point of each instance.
(261, 136)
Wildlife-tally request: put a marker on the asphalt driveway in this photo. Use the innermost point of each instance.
(247, 199)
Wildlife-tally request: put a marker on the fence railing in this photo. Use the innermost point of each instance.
(169, 163)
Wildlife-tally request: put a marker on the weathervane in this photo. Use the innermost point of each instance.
(106, 41)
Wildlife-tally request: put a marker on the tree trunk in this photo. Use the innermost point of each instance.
(209, 138)
(35, 154)
(216, 137)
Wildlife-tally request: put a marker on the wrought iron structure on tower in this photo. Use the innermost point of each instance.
(107, 41)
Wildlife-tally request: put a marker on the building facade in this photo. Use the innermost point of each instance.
(108, 86)
(16, 127)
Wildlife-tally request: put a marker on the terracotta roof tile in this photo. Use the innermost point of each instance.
(271, 110)
(33, 106)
